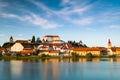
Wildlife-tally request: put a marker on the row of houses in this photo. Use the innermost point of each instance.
(19, 47)
(97, 51)
(52, 45)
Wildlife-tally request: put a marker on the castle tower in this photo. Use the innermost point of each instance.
(109, 44)
(11, 39)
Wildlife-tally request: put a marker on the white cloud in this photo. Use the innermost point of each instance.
(44, 23)
(46, 10)
(33, 19)
(65, 2)
(109, 16)
(73, 9)
(68, 2)
(114, 27)
(84, 21)
(65, 13)
(14, 16)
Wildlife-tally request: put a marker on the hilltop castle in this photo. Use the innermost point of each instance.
(52, 45)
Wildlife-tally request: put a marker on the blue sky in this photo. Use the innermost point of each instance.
(92, 21)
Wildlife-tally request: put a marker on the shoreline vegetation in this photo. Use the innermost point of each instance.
(55, 57)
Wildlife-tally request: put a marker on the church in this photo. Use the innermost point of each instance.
(112, 50)
(97, 51)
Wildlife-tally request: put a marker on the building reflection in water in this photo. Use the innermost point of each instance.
(58, 69)
(16, 68)
(11, 70)
(50, 71)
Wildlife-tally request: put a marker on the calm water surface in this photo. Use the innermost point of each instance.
(55, 69)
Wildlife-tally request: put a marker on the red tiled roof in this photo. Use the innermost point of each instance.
(22, 41)
(26, 51)
(66, 46)
(69, 45)
(51, 36)
(117, 48)
(50, 44)
(85, 49)
(27, 46)
(43, 46)
(1, 48)
(50, 51)
(102, 48)
(53, 51)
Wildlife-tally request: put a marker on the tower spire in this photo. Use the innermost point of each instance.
(109, 44)
(11, 39)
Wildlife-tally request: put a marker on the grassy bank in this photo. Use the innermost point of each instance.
(51, 57)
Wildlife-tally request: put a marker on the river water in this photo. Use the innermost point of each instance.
(64, 69)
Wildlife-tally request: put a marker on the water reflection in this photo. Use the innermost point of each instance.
(16, 68)
(61, 69)
(70, 60)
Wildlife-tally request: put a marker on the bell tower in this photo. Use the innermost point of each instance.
(11, 39)
(109, 44)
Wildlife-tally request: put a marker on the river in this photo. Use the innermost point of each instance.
(64, 69)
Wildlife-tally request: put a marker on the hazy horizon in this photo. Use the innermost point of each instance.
(92, 21)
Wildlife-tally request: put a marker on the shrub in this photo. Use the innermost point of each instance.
(75, 55)
(44, 55)
(89, 55)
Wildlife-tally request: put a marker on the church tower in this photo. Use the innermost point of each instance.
(11, 39)
(109, 44)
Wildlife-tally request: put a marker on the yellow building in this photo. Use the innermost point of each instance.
(116, 50)
(83, 51)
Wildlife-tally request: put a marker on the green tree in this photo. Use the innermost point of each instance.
(33, 39)
(7, 44)
(38, 40)
(75, 55)
(89, 55)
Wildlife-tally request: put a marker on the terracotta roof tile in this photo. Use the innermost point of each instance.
(54, 51)
(85, 49)
(1, 48)
(22, 41)
(26, 51)
(51, 36)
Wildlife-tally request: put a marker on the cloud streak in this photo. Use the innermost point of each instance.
(84, 21)
(72, 11)
(33, 19)
(114, 27)
(74, 7)
(66, 12)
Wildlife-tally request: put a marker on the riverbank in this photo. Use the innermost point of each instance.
(53, 57)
